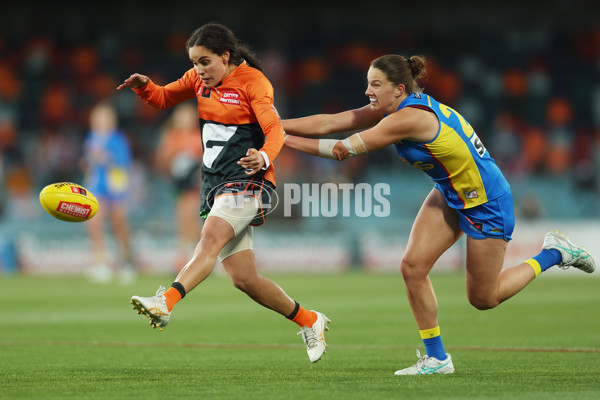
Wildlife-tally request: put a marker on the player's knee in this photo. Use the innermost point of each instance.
(240, 284)
(482, 303)
(412, 271)
(210, 243)
(243, 283)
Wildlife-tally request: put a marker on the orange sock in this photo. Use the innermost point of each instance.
(173, 296)
(305, 317)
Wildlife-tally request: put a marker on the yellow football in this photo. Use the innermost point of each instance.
(68, 201)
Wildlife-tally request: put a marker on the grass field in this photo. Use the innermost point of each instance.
(67, 338)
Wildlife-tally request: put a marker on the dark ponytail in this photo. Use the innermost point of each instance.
(218, 39)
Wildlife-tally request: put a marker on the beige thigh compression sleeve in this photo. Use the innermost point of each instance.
(238, 211)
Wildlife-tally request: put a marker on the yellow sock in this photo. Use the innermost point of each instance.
(535, 265)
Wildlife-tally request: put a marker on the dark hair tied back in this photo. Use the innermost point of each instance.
(218, 39)
(401, 70)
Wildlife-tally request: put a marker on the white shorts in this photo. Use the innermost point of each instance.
(238, 211)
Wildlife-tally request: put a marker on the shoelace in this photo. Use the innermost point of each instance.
(422, 359)
(161, 290)
(577, 254)
(309, 337)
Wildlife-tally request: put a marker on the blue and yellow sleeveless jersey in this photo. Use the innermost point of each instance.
(455, 159)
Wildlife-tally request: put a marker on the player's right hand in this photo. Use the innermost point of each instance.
(340, 152)
(135, 81)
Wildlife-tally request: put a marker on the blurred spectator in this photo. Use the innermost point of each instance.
(17, 201)
(559, 114)
(107, 160)
(504, 144)
(179, 155)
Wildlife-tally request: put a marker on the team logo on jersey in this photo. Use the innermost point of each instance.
(205, 92)
(232, 98)
(471, 195)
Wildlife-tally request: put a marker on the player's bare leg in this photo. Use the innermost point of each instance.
(215, 235)
(487, 284)
(241, 268)
(101, 272)
(435, 230)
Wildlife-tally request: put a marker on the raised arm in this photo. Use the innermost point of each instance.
(161, 97)
(325, 124)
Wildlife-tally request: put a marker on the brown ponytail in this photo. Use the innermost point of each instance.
(400, 70)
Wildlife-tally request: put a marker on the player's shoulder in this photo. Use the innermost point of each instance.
(191, 77)
(251, 77)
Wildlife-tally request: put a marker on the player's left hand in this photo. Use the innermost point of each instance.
(253, 162)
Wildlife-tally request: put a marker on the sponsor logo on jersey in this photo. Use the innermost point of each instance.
(471, 195)
(232, 98)
(74, 209)
(495, 230)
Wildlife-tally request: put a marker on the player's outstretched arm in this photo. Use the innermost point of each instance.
(380, 136)
(325, 124)
(305, 145)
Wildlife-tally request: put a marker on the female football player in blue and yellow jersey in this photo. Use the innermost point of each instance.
(470, 195)
(241, 136)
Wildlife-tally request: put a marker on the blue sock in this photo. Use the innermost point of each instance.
(547, 258)
(435, 347)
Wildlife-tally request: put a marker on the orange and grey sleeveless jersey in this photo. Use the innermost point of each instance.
(235, 115)
(455, 159)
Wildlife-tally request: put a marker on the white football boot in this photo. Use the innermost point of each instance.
(572, 255)
(155, 308)
(429, 366)
(314, 337)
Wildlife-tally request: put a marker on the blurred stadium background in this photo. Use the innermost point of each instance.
(526, 76)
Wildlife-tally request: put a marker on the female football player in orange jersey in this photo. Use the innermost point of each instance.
(470, 195)
(242, 135)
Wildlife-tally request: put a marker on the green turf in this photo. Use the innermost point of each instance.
(67, 338)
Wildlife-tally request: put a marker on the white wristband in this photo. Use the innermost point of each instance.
(266, 158)
(326, 148)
